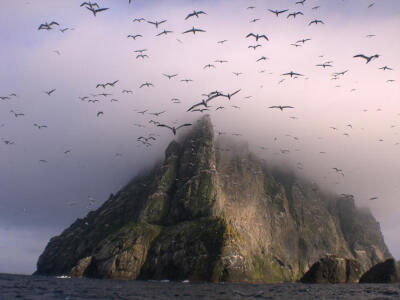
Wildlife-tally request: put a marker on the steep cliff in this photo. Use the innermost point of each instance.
(212, 211)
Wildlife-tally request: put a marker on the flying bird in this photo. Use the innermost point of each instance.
(50, 92)
(278, 12)
(174, 129)
(47, 26)
(157, 23)
(165, 32)
(193, 30)
(96, 10)
(384, 68)
(195, 14)
(295, 14)
(367, 58)
(281, 107)
(291, 74)
(257, 36)
(170, 76)
(316, 22)
(147, 84)
(134, 36)
(254, 47)
(229, 96)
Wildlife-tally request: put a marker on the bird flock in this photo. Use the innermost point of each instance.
(210, 102)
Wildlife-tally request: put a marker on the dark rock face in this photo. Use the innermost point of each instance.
(333, 269)
(384, 272)
(212, 211)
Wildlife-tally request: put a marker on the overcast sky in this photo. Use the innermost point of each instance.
(38, 200)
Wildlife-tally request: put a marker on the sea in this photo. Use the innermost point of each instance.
(44, 288)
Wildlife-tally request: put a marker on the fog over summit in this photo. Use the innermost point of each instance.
(351, 123)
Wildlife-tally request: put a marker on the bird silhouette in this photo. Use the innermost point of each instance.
(278, 12)
(96, 10)
(170, 76)
(195, 14)
(165, 32)
(193, 30)
(281, 107)
(291, 74)
(50, 92)
(257, 36)
(316, 22)
(157, 23)
(134, 36)
(174, 129)
(367, 58)
(295, 14)
(47, 26)
(147, 84)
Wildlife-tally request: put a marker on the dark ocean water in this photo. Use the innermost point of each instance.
(43, 288)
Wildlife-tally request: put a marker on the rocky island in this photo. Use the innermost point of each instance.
(213, 211)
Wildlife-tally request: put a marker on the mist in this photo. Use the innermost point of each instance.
(38, 200)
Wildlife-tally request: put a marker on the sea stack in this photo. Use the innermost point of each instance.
(213, 211)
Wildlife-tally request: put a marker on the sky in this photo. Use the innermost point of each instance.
(38, 200)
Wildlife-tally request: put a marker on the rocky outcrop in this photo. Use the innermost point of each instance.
(333, 269)
(212, 211)
(384, 272)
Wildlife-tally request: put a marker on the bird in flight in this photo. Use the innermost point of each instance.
(300, 2)
(147, 84)
(50, 92)
(257, 36)
(139, 20)
(303, 41)
(157, 113)
(141, 56)
(208, 66)
(295, 14)
(324, 65)
(193, 30)
(157, 23)
(281, 107)
(40, 126)
(100, 113)
(170, 76)
(96, 10)
(229, 96)
(17, 114)
(254, 47)
(47, 26)
(89, 4)
(222, 42)
(195, 14)
(384, 68)
(165, 32)
(134, 36)
(278, 12)
(174, 129)
(316, 22)
(367, 58)
(291, 74)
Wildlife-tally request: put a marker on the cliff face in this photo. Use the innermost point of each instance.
(214, 212)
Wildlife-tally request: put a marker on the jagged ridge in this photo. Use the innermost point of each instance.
(212, 211)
